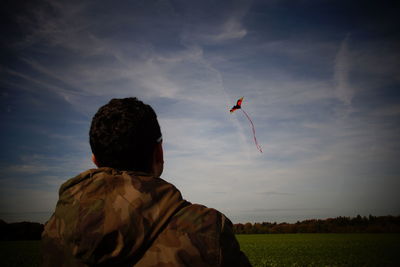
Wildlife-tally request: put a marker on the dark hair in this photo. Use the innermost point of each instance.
(123, 134)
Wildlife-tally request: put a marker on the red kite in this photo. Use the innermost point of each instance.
(239, 106)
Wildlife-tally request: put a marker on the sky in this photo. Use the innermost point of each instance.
(320, 80)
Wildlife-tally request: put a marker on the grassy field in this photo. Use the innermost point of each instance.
(322, 249)
(270, 250)
(19, 253)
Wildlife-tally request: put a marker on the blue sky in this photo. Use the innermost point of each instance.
(321, 82)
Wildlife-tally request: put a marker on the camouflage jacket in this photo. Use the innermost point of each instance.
(106, 217)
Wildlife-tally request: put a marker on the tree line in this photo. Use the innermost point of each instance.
(358, 224)
(20, 231)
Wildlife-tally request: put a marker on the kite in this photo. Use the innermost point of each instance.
(239, 106)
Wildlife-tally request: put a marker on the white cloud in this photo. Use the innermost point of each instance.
(230, 30)
(226, 26)
(344, 90)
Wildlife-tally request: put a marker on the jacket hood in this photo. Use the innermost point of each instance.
(106, 216)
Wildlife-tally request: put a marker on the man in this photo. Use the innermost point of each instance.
(123, 214)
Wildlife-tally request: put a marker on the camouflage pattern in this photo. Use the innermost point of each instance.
(106, 217)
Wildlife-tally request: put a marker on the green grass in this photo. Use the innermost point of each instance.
(322, 249)
(270, 250)
(19, 253)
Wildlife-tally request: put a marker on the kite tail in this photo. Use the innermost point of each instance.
(254, 131)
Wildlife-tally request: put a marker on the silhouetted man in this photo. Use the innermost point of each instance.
(123, 214)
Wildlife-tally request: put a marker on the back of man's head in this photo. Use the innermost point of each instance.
(123, 135)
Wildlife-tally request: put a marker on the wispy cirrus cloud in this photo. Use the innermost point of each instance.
(344, 91)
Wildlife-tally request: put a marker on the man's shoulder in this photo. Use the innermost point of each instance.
(199, 218)
(105, 176)
(79, 179)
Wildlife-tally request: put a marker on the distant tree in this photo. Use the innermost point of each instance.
(20, 231)
(358, 224)
(248, 228)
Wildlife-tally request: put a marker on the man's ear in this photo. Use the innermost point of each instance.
(158, 160)
(158, 153)
(94, 160)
